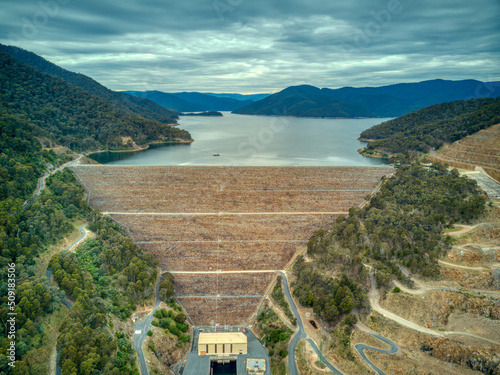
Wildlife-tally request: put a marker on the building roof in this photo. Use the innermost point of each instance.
(256, 363)
(222, 338)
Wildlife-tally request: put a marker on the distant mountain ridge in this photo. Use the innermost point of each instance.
(303, 101)
(129, 103)
(385, 101)
(196, 101)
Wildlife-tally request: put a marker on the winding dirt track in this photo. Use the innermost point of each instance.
(464, 267)
(374, 298)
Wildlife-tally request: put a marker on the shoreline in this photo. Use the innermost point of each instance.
(326, 118)
(375, 154)
(144, 147)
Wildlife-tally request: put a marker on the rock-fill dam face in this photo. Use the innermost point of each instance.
(224, 231)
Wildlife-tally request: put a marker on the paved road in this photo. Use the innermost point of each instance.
(300, 334)
(41, 181)
(141, 330)
(485, 182)
(66, 302)
(83, 234)
(322, 357)
(360, 348)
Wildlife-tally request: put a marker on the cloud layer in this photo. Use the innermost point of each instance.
(254, 46)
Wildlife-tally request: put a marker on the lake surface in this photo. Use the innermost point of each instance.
(243, 140)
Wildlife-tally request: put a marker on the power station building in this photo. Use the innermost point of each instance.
(222, 344)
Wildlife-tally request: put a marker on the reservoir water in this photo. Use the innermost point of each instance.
(242, 140)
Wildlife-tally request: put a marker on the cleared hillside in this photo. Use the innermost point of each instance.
(481, 149)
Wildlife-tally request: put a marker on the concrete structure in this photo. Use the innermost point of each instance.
(255, 362)
(256, 366)
(222, 343)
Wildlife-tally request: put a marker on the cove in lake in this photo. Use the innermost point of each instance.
(242, 140)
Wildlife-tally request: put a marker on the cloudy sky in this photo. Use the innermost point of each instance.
(254, 46)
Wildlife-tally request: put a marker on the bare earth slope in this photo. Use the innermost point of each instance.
(220, 221)
(480, 149)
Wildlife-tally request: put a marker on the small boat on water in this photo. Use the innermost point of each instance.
(216, 154)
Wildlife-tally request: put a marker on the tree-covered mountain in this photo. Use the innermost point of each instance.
(128, 103)
(432, 126)
(192, 101)
(303, 101)
(71, 116)
(385, 101)
(38, 108)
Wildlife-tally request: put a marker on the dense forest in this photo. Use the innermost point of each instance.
(432, 126)
(403, 222)
(24, 236)
(128, 103)
(107, 277)
(63, 113)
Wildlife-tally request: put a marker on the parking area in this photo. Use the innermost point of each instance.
(485, 182)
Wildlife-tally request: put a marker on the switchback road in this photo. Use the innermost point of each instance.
(300, 334)
(360, 348)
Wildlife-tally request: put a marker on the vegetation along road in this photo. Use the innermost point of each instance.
(292, 366)
(41, 180)
(141, 330)
(360, 348)
(66, 302)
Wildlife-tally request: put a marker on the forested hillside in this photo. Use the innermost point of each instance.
(127, 103)
(430, 127)
(404, 220)
(303, 101)
(109, 275)
(71, 116)
(401, 225)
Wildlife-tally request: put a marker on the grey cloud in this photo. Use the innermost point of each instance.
(258, 45)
